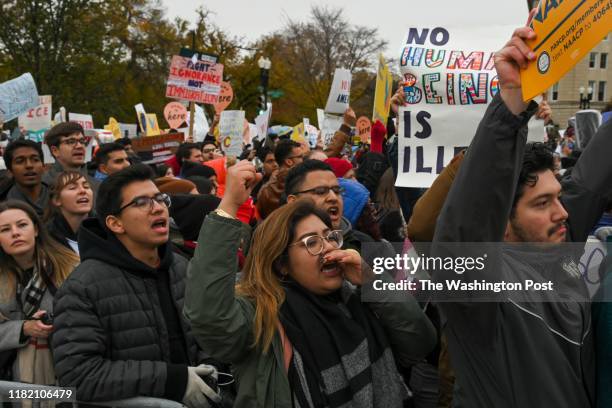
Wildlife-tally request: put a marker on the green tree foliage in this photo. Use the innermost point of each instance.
(105, 56)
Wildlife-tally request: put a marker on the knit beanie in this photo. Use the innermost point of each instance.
(339, 166)
(171, 185)
(378, 136)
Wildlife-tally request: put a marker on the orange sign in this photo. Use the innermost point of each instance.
(364, 129)
(175, 114)
(566, 32)
(225, 97)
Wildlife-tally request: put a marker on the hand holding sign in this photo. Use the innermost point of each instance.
(508, 63)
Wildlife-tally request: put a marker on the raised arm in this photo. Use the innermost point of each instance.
(479, 202)
(221, 322)
(588, 190)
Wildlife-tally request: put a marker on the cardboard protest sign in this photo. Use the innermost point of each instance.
(364, 129)
(198, 81)
(175, 114)
(340, 92)
(152, 125)
(566, 31)
(82, 119)
(449, 78)
(231, 128)
(17, 96)
(157, 149)
(383, 93)
(37, 121)
(226, 95)
(329, 125)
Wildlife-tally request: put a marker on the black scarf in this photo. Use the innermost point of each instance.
(340, 351)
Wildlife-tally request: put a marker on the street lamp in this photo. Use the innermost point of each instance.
(264, 71)
(585, 100)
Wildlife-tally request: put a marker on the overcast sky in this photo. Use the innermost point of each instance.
(250, 18)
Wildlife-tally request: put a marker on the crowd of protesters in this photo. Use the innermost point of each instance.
(217, 281)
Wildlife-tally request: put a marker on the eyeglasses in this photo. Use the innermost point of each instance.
(314, 243)
(206, 151)
(73, 141)
(322, 190)
(146, 203)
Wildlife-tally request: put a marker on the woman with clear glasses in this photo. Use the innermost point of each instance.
(296, 332)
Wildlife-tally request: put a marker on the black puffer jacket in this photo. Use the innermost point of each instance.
(119, 330)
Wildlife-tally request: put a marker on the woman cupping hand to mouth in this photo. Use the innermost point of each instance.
(293, 319)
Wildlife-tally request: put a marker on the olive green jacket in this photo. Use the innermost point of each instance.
(223, 322)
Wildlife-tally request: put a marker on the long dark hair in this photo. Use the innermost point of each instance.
(52, 260)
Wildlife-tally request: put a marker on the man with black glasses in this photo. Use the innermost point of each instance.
(119, 330)
(68, 144)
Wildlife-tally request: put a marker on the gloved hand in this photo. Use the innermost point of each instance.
(197, 390)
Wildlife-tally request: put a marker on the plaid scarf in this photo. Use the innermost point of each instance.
(341, 355)
(32, 293)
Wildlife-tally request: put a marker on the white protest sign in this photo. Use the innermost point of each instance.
(17, 96)
(129, 130)
(536, 130)
(200, 124)
(261, 122)
(253, 133)
(446, 62)
(82, 119)
(231, 129)
(60, 116)
(340, 92)
(329, 125)
(37, 121)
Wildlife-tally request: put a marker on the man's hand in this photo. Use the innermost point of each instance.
(398, 99)
(350, 119)
(240, 180)
(509, 61)
(544, 112)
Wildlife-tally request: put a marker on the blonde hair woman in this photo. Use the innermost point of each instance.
(296, 332)
(32, 267)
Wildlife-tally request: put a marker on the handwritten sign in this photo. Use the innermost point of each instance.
(448, 77)
(17, 96)
(198, 81)
(37, 121)
(566, 31)
(340, 92)
(364, 129)
(231, 128)
(84, 120)
(329, 125)
(175, 114)
(226, 95)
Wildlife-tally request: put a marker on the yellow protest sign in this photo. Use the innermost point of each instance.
(114, 127)
(298, 133)
(566, 31)
(152, 125)
(382, 95)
